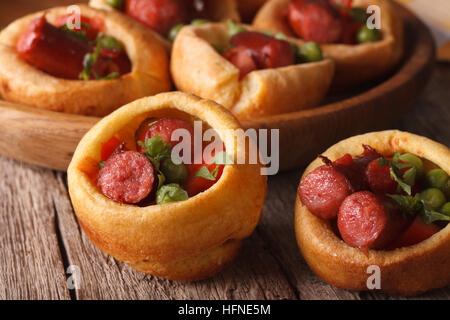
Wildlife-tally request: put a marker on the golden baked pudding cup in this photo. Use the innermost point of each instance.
(406, 271)
(25, 84)
(197, 67)
(355, 64)
(186, 240)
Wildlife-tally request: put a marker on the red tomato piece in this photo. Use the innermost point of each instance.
(164, 128)
(417, 232)
(89, 166)
(158, 15)
(194, 185)
(108, 148)
(379, 178)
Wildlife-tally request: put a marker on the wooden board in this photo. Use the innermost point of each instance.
(48, 139)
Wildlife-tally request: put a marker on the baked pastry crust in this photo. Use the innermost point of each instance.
(198, 68)
(222, 10)
(25, 84)
(406, 271)
(355, 64)
(187, 240)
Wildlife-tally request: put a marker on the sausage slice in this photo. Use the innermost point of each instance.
(127, 177)
(368, 221)
(323, 190)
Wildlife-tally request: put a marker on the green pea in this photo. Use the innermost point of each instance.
(365, 35)
(445, 209)
(311, 52)
(436, 178)
(170, 193)
(433, 198)
(174, 173)
(198, 22)
(415, 161)
(174, 31)
(117, 4)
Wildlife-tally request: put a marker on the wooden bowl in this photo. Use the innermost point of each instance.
(48, 139)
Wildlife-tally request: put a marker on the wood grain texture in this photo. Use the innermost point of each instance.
(373, 107)
(30, 260)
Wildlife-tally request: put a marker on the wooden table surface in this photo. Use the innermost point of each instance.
(41, 241)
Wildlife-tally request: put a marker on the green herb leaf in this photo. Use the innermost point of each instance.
(101, 164)
(109, 42)
(429, 216)
(383, 162)
(90, 59)
(410, 176)
(81, 34)
(403, 185)
(413, 204)
(112, 75)
(407, 204)
(161, 180)
(234, 28)
(395, 171)
(280, 36)
(358, 15)
(156, 147)
(204, 173)
(171, 193)
(117, 4)
(156, 150)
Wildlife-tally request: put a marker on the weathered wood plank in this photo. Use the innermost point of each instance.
(31, 266)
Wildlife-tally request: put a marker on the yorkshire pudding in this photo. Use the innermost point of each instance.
(198, 68)
(25, 84)
(405, 271)
(355, 64)
(186, 240)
